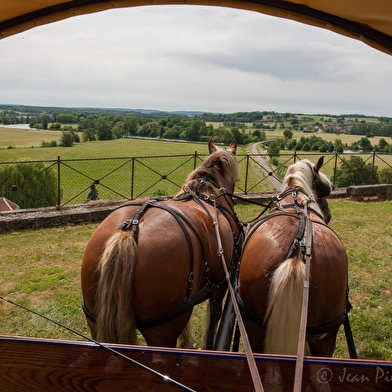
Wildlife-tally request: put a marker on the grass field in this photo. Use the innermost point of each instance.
(26, 144)
(41, 270)
(99, 149)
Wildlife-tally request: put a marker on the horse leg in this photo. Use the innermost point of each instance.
(167, 334)
(320, 346)
(211, 319)
(323, 345)
(256, 334)
(187, 338)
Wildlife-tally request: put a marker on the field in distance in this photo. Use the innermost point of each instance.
(21, 144)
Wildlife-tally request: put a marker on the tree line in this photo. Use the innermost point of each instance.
(317, 143)
(244, 127)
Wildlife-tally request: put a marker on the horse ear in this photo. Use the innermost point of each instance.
(319, 163)
(233, 147)
(212, 147)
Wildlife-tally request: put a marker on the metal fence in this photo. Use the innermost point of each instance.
(81, 180)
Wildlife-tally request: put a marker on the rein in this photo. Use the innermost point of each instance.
(307, 242)
(248, 351)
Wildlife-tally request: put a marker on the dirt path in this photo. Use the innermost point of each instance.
(276, 183)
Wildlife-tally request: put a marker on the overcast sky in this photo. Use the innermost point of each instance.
(194, 58)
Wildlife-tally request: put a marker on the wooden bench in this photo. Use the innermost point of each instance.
(379, 191)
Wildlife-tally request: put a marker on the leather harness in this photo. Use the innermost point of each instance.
(280, 210)
(210, 289)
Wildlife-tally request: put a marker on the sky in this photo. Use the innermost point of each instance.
(208, 59)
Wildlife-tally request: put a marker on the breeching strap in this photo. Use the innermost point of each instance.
(248, 351)
(305, 303)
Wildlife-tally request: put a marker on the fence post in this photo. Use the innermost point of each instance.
(335, 169)
(246, 174)
(194, 160)
(372, 174)
(295, 156)
(132, 176)
(58, 183)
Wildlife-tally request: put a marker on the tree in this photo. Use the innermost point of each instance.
(44, 122)
(386, 175)
(259, 135)
(66, 139)
(89, 134)
(172, 133)
(382, 144)
(338, 145)
(150, 129)
(118, 130)
(274, 148)
(29, 185)
(93, 194)
(54, 126)
(131, 125)
(288, 134)
(365, 144)
(306, 146)
(355, 171)
(222, 135)
(104, 131)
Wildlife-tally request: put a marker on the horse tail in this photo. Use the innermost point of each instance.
(283, 314)
(114, 312)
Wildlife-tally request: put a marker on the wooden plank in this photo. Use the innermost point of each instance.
(36, 365)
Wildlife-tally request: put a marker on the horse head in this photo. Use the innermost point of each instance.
(314, 184)
(323, 187)
(218, 172)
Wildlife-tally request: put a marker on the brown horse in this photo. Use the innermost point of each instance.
(151, 261)
(272, 269)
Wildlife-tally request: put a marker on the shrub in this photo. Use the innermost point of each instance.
(52, 143)
(386, 175)
(355, 171)
(30, 185)
(66, 139)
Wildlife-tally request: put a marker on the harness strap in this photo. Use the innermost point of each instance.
(91, 317)
(133, 224)
(180, 218)
(209, 289)
(309, 330)
(327, 327)
(299, 363)
(199, 297)
(299, 236)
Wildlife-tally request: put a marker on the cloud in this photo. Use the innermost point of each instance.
(193, 58)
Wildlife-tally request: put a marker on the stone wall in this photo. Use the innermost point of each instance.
(97, 211)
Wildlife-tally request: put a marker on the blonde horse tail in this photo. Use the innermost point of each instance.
(115, 317)
(284, 308)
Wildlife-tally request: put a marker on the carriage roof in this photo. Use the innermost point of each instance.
(366, 21)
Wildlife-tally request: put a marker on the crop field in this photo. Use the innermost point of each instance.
(20, 144)
(41, 270)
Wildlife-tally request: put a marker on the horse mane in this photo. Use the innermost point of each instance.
(301, 175)
(220, 164)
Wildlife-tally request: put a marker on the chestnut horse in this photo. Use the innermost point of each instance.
(152, 260)
(272, 269)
